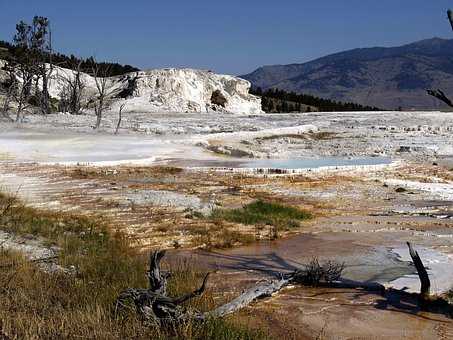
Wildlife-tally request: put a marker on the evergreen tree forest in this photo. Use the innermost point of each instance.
(10, 52)
(279, 101)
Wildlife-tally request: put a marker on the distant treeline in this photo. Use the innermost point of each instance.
(8, 52)
(275, 100)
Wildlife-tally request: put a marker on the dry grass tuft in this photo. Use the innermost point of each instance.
(38, 305)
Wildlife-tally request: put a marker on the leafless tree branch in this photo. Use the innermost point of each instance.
(120, 116)
(153, 305)
(71, 97)
(100, 75)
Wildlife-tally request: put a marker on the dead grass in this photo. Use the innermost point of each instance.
(35, 305)
(119, 173)
(306, 136)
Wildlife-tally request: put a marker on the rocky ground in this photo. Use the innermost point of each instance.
(408, 135)
(161, 177)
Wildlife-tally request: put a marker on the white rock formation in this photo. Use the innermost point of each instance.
(168, 90)
(187, 90)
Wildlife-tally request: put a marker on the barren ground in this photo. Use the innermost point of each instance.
(159, 180)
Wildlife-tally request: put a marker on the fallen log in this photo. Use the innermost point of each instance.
(154, 306)
(263, 290)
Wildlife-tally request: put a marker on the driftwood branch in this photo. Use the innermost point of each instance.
(311, 274)
(195, 293)
(157, 280)
(153, 304)
(422, 273)
(260, 291)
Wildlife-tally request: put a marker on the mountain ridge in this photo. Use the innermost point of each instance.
(389, 77)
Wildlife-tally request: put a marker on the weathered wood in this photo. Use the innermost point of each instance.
(153, 304)
(157, 280)
(195, 293)
(263, 290)
(422, 273)
(313, 273)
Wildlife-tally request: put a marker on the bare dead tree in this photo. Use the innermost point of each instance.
(18, 90)
(153, 304)
(120, 116)
(100, 74)
(439, 94)
(23, 66)
(73, 92)
(10, 86)
(28, 64)
(21, 98)
(6, 104)
(41, 50)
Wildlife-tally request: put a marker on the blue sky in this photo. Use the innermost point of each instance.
(229, 36)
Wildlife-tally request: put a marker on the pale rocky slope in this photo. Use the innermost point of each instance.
(168, 90)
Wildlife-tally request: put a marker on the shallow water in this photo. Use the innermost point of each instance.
(310, 163)
(438, 265)
(101, 149)
(363, 263)
(283, 164)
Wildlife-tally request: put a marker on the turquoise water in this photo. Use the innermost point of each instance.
(281, 164)
(311, 163)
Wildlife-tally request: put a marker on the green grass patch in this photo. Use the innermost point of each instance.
(261, 212)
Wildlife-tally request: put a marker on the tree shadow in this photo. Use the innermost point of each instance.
(274, 266)
(270, 264)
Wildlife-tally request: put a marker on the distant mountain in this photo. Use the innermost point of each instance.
(379, 76)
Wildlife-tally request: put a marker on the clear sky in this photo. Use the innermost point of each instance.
(229, 36)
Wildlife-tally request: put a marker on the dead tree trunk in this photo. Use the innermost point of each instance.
(100, 74)
(8, 98)
(422, 274)
(45, 97)
(153, 305)
(120, 116)
(266, 289)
